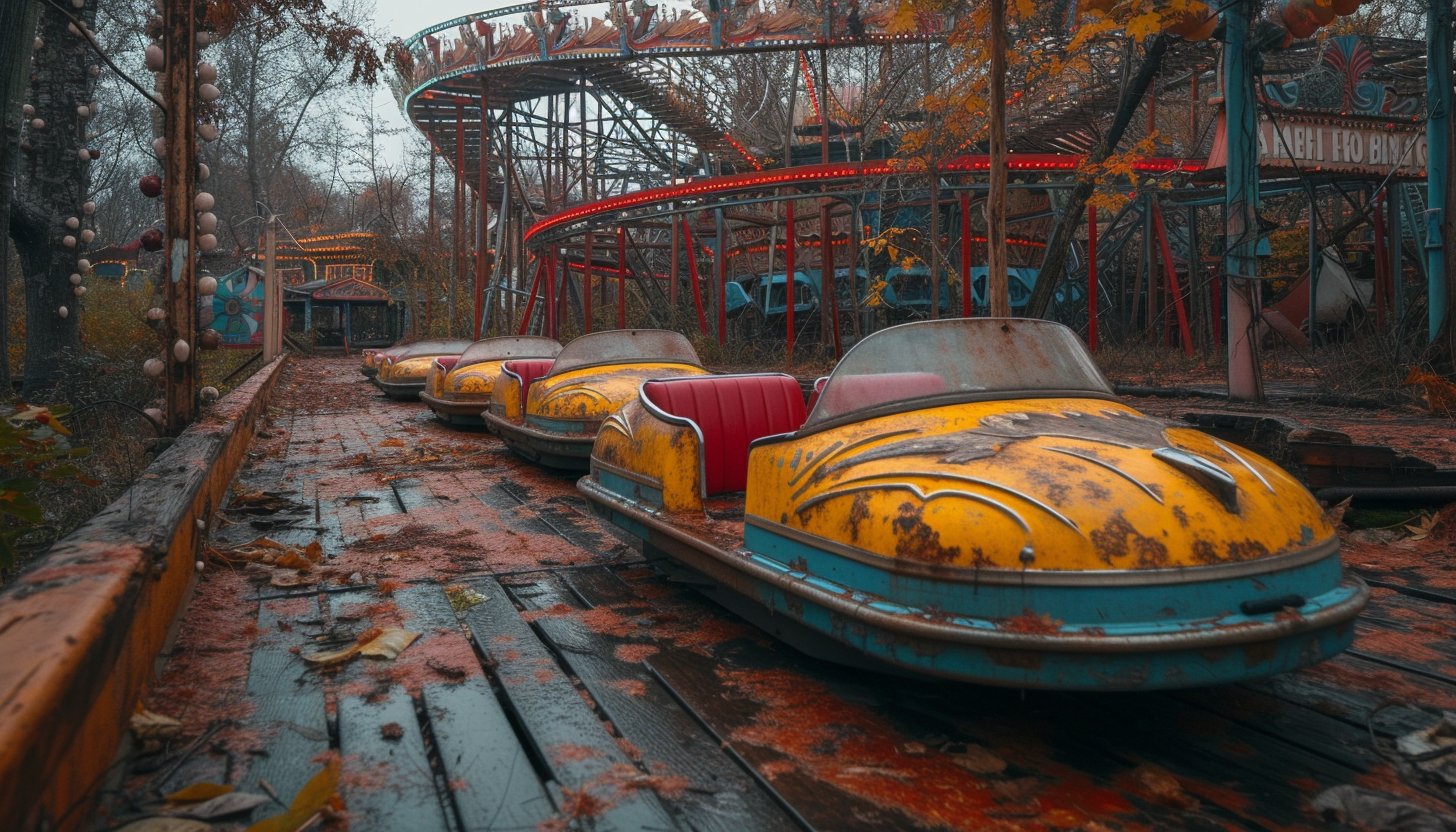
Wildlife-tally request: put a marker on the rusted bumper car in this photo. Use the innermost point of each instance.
(968, 499)
(374, 357)
(549, 411)
(402, 376)
(458, 389)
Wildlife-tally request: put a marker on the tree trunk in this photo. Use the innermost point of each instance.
(17, 28)
(1055, 260)
(52, 185)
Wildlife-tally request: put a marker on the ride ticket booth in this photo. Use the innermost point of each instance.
(335, 293)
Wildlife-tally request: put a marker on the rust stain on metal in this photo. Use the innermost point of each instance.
(859, 511)
(1119, 539)
(917, 540)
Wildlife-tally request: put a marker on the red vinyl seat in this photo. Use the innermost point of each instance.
(447, 362)
(859, 392)
(730, 412)
(528, 370)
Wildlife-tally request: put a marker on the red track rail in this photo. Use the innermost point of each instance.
(822, 174)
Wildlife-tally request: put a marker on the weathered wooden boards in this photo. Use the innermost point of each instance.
(80, 631)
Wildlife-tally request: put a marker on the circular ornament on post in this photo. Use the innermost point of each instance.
(151, 239)
(207, 223)
(63, 312)
(207, 242)
(203, 201)
(75, 280)
(207, 285)
(209, 339)
(181, 350)
(150, 185)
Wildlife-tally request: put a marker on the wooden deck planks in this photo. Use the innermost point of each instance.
(491, 779)
(388, 783)
(717, 795)
(594, 773)
(291, 718)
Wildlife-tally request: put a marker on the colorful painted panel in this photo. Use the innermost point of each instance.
(237, 309)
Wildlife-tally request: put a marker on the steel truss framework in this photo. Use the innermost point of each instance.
(620, 180)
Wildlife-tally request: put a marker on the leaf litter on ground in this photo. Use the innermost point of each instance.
(375, 642)
(319, 795)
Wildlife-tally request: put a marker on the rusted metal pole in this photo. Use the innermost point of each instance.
(693, 276)
(829, 317)
(272, 294)
(458, 226)
(1092, 277)
(586, 272)
(997, 281)
(622, 277)
(789, 239)
(432, 241)
(968, 300)
(482, 238)
(720, 266)
(180, 281)
(531, 299)
(1165, 253)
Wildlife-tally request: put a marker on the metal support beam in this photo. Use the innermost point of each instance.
(180, 168)
(1242, 200)
(1438, 150)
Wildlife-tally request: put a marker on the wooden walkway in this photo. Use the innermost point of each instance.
(559, 682)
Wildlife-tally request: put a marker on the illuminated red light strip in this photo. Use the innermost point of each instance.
(833, 170)
(809, 85)
(762, 247)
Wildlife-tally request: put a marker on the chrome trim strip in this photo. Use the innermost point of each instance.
(618, 362)
(840, 451)
(680, 421)
(947, 400)
(674, 419)
(925, 497)
(917, 627)
(1113, 468)
(1071, 524)
(575, 444)
(1258, 476)
(453, 408)
(626, 474)
(1033, 577)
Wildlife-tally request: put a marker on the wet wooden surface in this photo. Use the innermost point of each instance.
(561, 683)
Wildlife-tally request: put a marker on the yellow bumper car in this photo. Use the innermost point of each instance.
(968, 499)
(458, 389)
(402, 375)
(549, 411)
(374, 357)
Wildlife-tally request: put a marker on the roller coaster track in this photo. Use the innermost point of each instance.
(451, 72)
